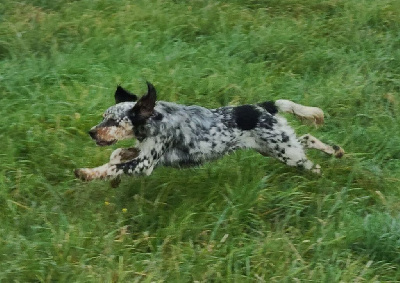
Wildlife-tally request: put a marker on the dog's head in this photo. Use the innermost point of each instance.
(120, 120)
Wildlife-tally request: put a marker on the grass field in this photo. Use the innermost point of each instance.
(244, 218)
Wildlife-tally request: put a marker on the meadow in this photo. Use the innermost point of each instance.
(244, 218)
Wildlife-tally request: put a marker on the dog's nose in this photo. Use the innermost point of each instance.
(92, 133)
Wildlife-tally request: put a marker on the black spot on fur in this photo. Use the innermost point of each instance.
(285, 138)
(269, 106)
(128, 166)
(267, 121)
(140, 133)
(158, 116)
(168, 109)
(184, 150)
(246, 117)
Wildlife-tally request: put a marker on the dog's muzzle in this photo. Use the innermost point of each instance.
(93, 134)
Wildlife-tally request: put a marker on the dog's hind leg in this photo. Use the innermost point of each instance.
(291, 152)
(296, 157)
(313, 114)
(90, 174)
(309, 141)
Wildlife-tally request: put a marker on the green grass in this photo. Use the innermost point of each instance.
(244, 218)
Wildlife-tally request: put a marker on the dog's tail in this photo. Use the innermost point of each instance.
(313, 114)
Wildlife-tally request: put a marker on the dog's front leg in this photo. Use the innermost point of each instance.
(150, 153)
(122, 155)
(108, 170)
(141, 165)
(143, 162)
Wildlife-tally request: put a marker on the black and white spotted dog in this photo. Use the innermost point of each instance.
(176, 135)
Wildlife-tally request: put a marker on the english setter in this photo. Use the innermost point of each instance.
(177, 135)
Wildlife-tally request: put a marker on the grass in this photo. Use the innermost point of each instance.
(242, 218)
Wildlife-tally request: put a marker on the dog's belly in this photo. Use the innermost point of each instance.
(178, 160)
(211, 146)
(185, 158)
(183, 163)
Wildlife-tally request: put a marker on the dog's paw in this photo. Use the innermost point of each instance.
(339, 152)
(114, 183)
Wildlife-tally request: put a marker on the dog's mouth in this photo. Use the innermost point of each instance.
(105, 143)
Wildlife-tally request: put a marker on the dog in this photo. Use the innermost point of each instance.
(177, 135)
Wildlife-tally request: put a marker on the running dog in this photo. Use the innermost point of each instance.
(171, 134)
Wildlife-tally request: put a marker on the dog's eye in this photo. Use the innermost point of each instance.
(109, 122)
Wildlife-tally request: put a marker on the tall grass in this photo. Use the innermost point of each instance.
(242, 218)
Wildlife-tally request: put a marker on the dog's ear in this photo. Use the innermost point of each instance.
(144, 107)
(122, 95)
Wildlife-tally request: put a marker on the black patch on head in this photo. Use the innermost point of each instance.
(122, 95)
(246, 117)
(269, 106)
